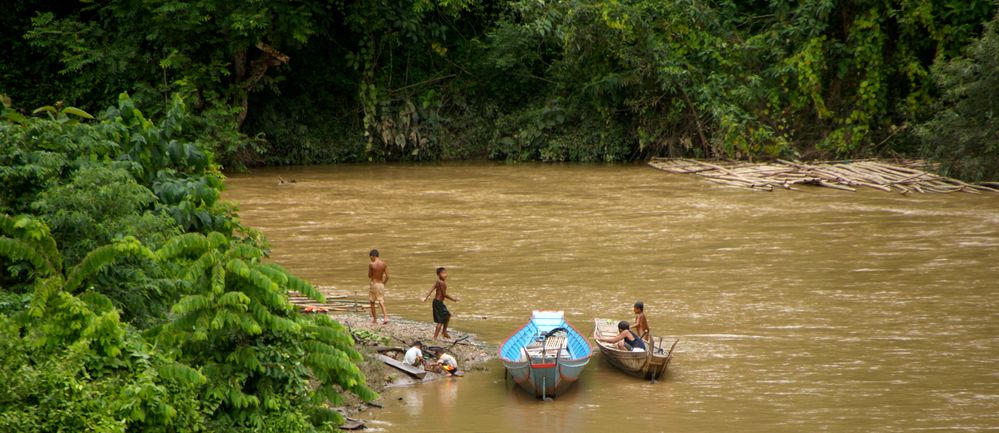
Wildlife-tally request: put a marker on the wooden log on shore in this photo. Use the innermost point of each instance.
(836, 186)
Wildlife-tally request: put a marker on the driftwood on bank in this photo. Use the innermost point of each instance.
(897, 176)
(335, 302)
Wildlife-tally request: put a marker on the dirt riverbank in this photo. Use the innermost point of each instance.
(400, 333)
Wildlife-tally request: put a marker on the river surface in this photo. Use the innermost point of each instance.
(816, 310)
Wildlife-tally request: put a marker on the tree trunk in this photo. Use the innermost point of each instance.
(248, 79)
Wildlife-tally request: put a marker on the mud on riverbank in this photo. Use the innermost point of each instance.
(400, 333)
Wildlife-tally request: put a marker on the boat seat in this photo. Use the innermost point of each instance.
(557, 344)
(553, 344)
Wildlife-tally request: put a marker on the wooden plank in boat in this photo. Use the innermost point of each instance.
(553, 344)
(416, 372)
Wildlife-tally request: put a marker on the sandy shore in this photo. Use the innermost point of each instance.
(400, 333)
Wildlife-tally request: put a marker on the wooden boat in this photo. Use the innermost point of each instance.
(545, 356)
(650, 364)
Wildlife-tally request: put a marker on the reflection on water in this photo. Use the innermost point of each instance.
(797, 311)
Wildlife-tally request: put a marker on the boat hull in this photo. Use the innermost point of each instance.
(649, 365)
(549, 374)
(545, 380)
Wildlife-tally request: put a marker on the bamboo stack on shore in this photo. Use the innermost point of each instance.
(335, 301)
(899, 176)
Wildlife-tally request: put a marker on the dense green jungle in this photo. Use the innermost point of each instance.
(307, 82)
(133, 299)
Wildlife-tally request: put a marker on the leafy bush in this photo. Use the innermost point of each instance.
(70, 361)
(124, 176)
(123, 309)
(234, 356)
(238, 327)
(963, 135)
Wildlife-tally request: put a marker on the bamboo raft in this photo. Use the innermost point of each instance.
(901, 176)
(335, 302)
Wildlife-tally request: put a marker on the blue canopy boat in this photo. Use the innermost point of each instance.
(547, 355)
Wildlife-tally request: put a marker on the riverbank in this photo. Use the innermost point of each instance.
(400, 333)
(397, 334)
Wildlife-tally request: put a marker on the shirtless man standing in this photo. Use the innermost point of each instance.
(377, 277)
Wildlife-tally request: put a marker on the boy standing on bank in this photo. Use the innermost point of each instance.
(441, 315)
(377, 277)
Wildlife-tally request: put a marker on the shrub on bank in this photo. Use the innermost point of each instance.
(132, 298)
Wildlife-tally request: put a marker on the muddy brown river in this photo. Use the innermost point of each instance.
(818, 310)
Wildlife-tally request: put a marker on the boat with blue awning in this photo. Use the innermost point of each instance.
(547, 355)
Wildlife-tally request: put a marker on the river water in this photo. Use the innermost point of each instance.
(817, 310)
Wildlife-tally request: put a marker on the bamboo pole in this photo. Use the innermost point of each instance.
(903, 176)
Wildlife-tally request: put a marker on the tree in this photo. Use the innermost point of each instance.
(214, 52)
(963, 134)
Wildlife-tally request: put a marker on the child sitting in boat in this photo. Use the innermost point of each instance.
(627, 340)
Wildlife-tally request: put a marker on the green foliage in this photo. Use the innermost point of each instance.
(214, 52)
(78, 368)
(396, 120)
(963, 134)
(369, 337)
(575, 80)
(126, 155)
(716, 79)
(606, 81)
(98, 182)
(637, 84)
(63, 114)
(235, 349)
(238, 326)
(851, 71)
(97, 204)
(71, 363)
(27, 74)
(100, 332)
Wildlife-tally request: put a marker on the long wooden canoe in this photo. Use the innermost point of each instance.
(650, 364)
(545, 356)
